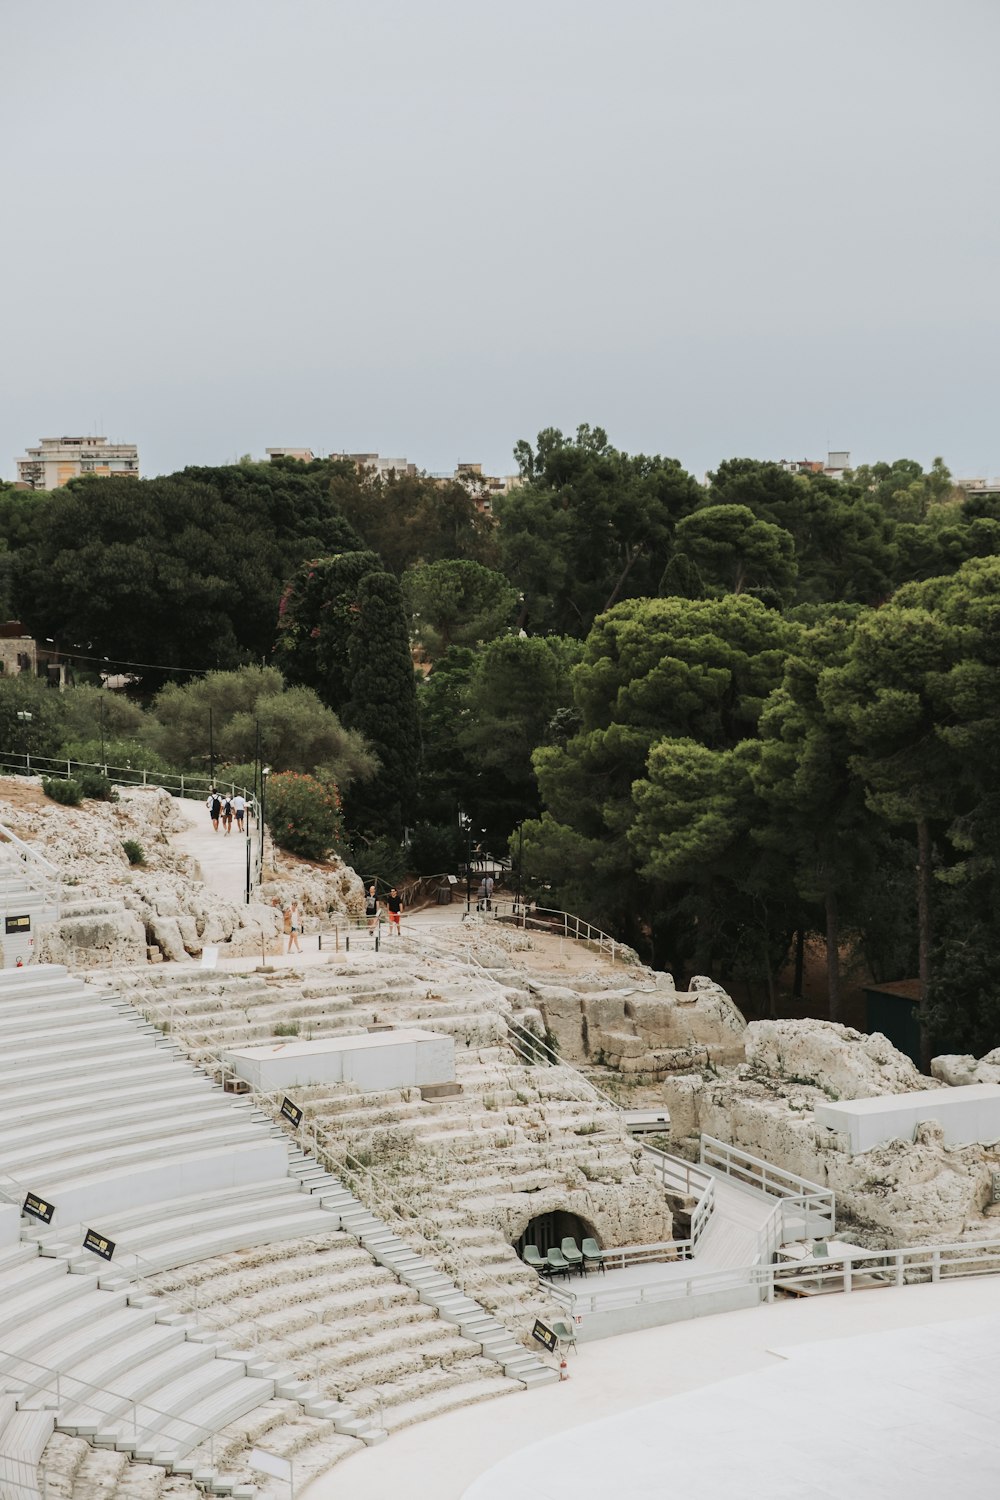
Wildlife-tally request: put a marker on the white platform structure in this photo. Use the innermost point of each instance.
(967, 1114)
(909, 1413)
(401, 1058)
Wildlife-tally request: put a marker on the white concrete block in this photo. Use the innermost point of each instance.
(967, 1114)
(371, 1061)
(10, 1224)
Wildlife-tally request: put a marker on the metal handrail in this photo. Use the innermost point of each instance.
(909, 1265)
(44, 878)
(71, 1389)
(176, 783)
(755, 1172)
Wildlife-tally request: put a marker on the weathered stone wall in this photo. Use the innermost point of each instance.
(643, 1028)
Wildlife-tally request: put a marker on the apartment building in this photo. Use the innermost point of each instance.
(58, 460)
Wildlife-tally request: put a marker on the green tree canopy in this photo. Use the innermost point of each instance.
(735, 553)
(590, 526)
(456, 602)
(184, 571)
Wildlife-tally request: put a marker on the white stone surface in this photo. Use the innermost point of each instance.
(967, 1114)
(10, 1224)
(383, 1060)
(444, 1457)
(870, 1417)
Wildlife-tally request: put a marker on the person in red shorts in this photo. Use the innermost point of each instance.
(394, 906)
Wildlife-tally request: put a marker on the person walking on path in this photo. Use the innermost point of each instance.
(239, 808)
(227, 815)
(488, 884)
(394, 902)
(214, 804)
(371, 907)
(293, 925)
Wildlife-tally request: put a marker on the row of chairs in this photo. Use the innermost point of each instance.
(570, 1258)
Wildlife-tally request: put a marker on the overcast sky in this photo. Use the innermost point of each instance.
(431, 227)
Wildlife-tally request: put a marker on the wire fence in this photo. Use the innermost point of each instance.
(196, 785)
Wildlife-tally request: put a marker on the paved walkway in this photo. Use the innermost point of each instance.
(222, 863)
(222, 858)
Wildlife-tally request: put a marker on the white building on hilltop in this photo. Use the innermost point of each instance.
(58, 460)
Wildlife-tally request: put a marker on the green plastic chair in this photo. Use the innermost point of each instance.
(565, 1333)
(571, 1250)
(538, 1263)
(558, 1264)
(593, 1255)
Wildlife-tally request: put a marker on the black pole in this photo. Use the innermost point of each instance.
(520, 864)
(104, 767)
(211, 750)
(263, 813)
(468, 865)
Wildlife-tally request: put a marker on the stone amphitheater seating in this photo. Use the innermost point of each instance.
(102, 1115)
(511, 1129)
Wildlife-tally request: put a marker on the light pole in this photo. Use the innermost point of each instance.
(211, 752)
(467, 825)
(265, 772)
(24, 719)
(520, 867)
(103, 756)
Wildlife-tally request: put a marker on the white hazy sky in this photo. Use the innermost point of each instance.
(431, 227)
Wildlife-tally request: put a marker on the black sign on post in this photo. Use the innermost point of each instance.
(97, 1242)
(544, 1335)
(38, 1207)
(291, 1113)
(16, 924)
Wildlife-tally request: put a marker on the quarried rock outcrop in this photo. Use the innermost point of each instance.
(648, 1029)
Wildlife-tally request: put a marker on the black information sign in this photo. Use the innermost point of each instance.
(16, 924)
(100, 1246)
(544, 1335)
(291, 1112)
(38, 1207)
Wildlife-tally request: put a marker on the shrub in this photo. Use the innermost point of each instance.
(69, 793)
(135, 852)
(303, 815)
(383, 859)
(94, 784)
(435, 849)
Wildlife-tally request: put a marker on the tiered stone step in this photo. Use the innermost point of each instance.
(72, 1469)
(350, 1326)
(107, 1368)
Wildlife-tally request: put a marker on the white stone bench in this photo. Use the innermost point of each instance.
(94, 1187)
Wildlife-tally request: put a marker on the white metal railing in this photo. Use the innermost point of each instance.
(911, 1265)
(20, 862)
(682, 1177)
(562, 924)
(813, 1205)
(38, 1382)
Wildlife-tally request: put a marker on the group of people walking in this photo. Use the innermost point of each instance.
(222, 809)
(393, 907)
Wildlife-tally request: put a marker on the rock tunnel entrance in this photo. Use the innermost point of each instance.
(549, 1230)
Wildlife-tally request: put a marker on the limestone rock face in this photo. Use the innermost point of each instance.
(956, 1070)
(649, 1030)
(846, 1064)
(117, 914)
(111, 936)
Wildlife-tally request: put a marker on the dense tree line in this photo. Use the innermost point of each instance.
(722, 717)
